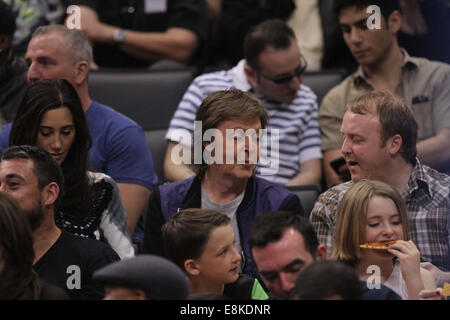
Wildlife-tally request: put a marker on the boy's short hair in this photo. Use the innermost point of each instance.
(187, 232)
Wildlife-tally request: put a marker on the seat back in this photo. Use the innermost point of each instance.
(150, 98)
(323, 81)
(157, 144)
(308, 195)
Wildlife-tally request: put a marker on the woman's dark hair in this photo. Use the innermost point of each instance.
(17, 278)
(48, 95)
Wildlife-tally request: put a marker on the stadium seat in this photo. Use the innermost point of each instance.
(308, 195)
(321, 82)
(157, 145)
(150, 98)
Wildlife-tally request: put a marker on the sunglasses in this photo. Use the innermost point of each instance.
(287, 78)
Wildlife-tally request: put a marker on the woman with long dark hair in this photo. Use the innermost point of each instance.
(51, 117)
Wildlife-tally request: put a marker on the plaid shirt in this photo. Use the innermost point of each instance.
(427, 198)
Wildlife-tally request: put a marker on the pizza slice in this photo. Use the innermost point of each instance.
(446, 290)
(377, 245)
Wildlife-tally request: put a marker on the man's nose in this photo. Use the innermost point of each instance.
(346, 147)
(286, 282)
(33, 75)
(355, 36)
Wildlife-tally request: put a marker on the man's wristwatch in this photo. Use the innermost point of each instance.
(119, 36)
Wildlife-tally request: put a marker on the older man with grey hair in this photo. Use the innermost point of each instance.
(118, 148)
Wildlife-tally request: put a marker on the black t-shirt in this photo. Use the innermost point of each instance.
(51, 292)
(70, 263)
(137, 15)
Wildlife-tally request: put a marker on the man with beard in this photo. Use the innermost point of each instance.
(34, 179)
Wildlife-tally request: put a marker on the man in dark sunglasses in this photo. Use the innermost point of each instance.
(281, 86)
(272, 70)
(283, 79)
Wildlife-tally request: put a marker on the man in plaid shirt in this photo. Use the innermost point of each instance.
(380, 135)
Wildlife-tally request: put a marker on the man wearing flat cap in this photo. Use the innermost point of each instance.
(144, 277)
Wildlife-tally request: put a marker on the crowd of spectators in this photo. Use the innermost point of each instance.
(83, 215)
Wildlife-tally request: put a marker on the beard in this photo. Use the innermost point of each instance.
(35, 215)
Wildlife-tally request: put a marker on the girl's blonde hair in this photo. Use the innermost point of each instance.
(352, 218)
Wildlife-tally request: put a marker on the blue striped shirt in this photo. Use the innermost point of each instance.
(297, 121)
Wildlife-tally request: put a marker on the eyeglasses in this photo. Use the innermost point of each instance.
(287, 78)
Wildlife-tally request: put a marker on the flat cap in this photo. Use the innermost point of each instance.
(159, 278)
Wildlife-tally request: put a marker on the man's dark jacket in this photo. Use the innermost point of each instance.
(260, 195)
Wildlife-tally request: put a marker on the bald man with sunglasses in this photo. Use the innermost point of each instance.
(272, 70)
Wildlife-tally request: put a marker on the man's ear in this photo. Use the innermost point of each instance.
(82, 70)
(252, 75)
(191, 267)
(395, 22)
(394, 144)
(321, 253)
(50, 193)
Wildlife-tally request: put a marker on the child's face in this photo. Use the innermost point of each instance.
(383, 220)
(219, 262)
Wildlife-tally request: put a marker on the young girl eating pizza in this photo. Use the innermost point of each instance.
(370, 214)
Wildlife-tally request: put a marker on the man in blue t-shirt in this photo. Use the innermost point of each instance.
(118, 147)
